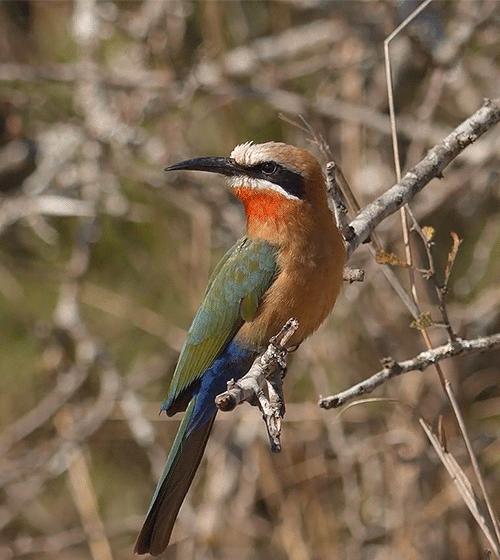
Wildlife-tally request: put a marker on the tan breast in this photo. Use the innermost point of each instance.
(311, 262)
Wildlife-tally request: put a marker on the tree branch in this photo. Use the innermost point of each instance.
(338, 202)
(418, 363)
(262, 385)
(432, 166)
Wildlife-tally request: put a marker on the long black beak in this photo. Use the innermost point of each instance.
(222, 165)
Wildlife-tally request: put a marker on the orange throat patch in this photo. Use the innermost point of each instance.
(265, 207)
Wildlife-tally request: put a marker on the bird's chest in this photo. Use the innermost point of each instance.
(305, 288)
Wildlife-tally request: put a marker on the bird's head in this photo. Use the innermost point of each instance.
(273, 180)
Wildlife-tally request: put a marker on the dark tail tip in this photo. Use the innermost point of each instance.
(155, 533)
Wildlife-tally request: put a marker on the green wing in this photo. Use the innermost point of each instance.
(234, 291)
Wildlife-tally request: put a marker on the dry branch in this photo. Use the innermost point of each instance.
(418, 363)
(46, 205)
(262, 385)
(339, 203)
(83, 491)
(462, 483)
(432, 166)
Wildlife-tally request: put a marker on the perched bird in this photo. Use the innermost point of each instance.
(289, 264)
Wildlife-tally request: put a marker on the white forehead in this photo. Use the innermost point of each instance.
(251, 154)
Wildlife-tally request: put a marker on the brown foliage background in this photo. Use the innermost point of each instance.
(103, 261)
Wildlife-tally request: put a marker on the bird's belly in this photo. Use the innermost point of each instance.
(305, 289)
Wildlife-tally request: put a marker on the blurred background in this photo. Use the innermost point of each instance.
(104, 258)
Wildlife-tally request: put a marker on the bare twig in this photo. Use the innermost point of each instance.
(339, 180)
(67, 385)
(395, 146)
(462, 483)
(57, 542)
(261, 385)
(405, 211)
(101, 120)
(48, 205)
(440, 289)
(418, 363)
(339, 203)
(432, 166)
(54, 463)
(475, 463)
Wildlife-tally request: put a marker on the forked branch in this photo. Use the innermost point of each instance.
(262, 385)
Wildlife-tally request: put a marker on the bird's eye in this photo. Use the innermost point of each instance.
(269, 167)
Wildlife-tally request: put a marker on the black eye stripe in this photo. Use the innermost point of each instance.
(290, 181)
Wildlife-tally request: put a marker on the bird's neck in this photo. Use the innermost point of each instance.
(278, 220)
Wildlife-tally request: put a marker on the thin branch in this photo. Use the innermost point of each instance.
(338, 202)
(54, 543)
(48, 205)
(475, 463)
(395, 145)
(430, 274)
(262, 384)
(405, 210)
(432, 166)
(83, 491)
(338, 178)
(418, 363)
(68, 383)
(388, 75)
(462, 483)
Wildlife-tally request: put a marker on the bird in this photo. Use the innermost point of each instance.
(288, 264)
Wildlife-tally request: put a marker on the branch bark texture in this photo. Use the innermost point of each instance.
(420, 362)
(262, 385)
(432, 166)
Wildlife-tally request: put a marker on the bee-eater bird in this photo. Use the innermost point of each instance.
(288, 264)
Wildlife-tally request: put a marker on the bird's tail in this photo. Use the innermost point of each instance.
(182, 463)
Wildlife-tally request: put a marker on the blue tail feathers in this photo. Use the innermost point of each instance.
(187, 450)
(233, 363)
